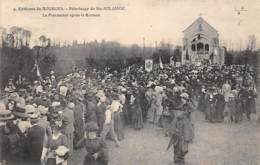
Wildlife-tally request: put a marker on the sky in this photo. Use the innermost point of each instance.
(154, 20)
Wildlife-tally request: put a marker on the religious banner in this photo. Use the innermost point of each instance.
(160, 63)
(148, 65)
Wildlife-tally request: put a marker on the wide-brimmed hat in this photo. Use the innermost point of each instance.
(55, 104)
(14, 96)
(34, 117)
(184, 95)
(43, 110)
(100, 93)
(231, 95)
(20, 112)
(5, 114)
(29, 109)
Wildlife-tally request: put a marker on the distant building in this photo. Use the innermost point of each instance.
(201, 44)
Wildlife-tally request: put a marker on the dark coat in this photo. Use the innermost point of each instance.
(3, 147)
(78, 123)
(101, 117)
(90, 114)
(35, 139)
(68, 121)
(220, 104)
(94, 146)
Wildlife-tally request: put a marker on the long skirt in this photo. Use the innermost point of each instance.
(151, 113)
(137, 118)
(219, 116)
(118, 125)
(180, 150)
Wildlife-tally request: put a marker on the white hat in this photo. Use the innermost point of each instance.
(29, 109)
(150, 83)
(123, 89)
(231, 95)
(71, 105)
(158, 89)
(42, 109)
(185, 95)
(39, 89)
(55, 104)
(100, 93)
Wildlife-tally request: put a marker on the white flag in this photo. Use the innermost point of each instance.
(160, 62)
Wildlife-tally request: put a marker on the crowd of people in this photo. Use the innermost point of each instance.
(44, 121)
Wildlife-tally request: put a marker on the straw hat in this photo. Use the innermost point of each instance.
(231, 95)
(185, 95)
(29, 109)
(5, 114)
(14, 96)
(43, 110)
(34, 117)
(100, 93)
(20, 112)
(55, 104)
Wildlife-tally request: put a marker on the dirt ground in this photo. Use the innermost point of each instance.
(214, 144)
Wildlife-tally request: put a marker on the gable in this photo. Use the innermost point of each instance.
(196, 25)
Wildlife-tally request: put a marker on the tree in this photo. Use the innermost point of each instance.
(177, 54)
(251, 43)
(258, 86)
(42, 40)
(3, 35)
(10, 41)
(27, 35)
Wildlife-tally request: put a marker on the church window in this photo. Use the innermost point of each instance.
(193, 48)
(200, 46)
(207, 47)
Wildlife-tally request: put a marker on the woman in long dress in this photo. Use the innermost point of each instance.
(117, 114)
(137, 114)
(152, 109)
(49, 155)
(159, 107)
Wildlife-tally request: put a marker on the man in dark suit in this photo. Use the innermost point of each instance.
(68, 124)
(35, 138)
